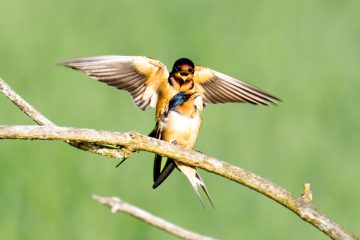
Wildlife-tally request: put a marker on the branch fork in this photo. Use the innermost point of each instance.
(96, 141)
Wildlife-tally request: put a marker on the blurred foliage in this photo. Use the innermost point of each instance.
(305, 52)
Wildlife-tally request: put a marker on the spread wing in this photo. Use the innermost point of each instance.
(220, 88)
(140, 76)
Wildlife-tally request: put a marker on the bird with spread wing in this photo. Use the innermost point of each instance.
(151, 85)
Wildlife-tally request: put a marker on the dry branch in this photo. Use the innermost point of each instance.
(137, 142)
(117, 205)
(301, 205)
(37, 117)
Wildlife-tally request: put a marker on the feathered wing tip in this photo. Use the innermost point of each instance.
(157, 167)
(159, 173)
(159, 177)
(194, 177)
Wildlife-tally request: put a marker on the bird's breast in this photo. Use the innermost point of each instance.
(182, 129)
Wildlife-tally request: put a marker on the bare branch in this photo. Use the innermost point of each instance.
(135, 141)
(85, 139)
(122, 153)
(307, 195)
(42, 120)
(117, 205)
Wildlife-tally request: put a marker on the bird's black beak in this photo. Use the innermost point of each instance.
(184, 75)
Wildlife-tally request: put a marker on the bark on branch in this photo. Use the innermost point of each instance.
(118, 205)
(132, 141)
(40, 119)
(301, 205)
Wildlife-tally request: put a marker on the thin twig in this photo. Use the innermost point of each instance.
(117, 205)
(132, 141)
(43, 121)
(307, 195)
(137, 142)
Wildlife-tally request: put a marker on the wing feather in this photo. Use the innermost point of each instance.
(134, 74)
(215, 95)
(217, 87)
(233, 94)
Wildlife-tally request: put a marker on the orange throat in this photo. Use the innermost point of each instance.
(181, 85)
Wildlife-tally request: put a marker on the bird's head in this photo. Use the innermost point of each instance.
(186, 102)
(183, 69)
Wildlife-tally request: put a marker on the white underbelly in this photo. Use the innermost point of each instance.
(181, 123)
(181, 129)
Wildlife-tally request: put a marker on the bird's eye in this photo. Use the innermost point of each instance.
(191, 70)
(178, 68)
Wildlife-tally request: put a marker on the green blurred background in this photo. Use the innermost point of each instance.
(305, 52)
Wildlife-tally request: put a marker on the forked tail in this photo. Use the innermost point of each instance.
(195, 179)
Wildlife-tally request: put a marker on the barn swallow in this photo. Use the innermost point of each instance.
(180, 124)
(177, 115)
(151, 85)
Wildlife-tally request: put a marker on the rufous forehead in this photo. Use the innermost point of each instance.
(185, 67)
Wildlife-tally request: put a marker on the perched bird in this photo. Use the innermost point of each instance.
(180, 125)
(151, 85)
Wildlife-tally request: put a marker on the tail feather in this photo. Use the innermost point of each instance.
(194, 177)
(203, 186)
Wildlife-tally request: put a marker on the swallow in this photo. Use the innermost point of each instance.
(180, 124)
(152, 85)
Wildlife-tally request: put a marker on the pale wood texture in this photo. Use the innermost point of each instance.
(132, 141)
(118, 205)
